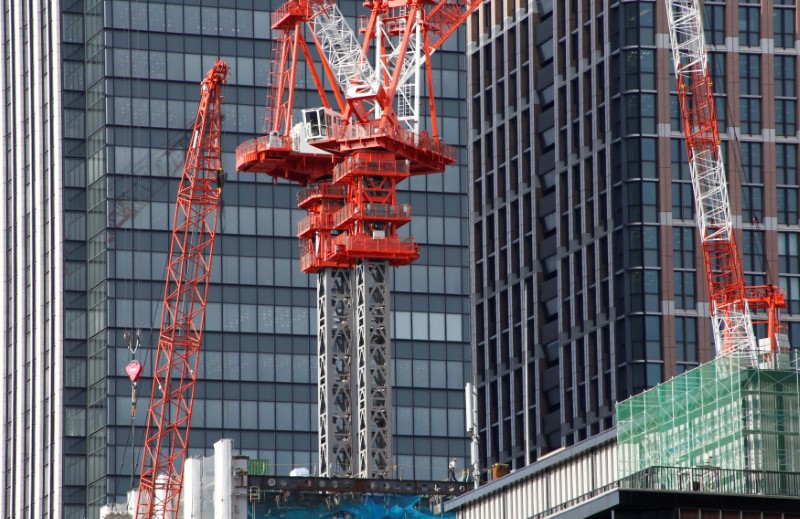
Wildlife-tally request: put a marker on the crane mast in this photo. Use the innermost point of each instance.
(350, 154)
(183, 314)
(730, 299)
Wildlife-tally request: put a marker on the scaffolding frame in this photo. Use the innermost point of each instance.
(725, 414)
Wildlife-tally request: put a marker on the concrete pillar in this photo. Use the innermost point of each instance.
(223, 474)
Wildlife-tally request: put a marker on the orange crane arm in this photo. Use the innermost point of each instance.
(731, 300)
(184, 310)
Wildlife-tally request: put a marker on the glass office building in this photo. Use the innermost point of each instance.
(588, 279)
(98, 99)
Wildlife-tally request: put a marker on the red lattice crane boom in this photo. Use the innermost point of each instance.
(183, 314)
(350, 154)
(731, 300)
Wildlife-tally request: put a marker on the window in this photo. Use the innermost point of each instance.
(674, 113)
(639, 20)
(682, 201)
(640, 113)
(750, 115)
(753, 203)
(785, 67)
(749, 20)
(684, 264)
(786, 164)
(679, 161)
(783, 20)
(753, 251)
(640, 158)
(786, 99)
(682, 194)
(640, 66)
(716, 66)
(749, 74)
(642, 201)
(685, 290)
(645, 290)
(791, 286)
(545, 52)
(643, 246)
(786, 180)
(788, 260)
(683, 240)
(645, 337)
(751, 162)
(752, 191)
(794, 334)
(787, 198)
(647, 23)
(714, 18)
(685, 343)
(785, 117)
(722, 112)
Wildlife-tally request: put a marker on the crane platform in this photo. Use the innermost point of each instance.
(276, 156)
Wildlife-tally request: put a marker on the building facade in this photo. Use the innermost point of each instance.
(588, 280)
(99, 96)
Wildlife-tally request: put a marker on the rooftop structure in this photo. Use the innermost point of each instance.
(581, 482)
(727, 416)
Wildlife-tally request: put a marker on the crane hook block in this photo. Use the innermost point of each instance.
(134, 370)
(220, 179)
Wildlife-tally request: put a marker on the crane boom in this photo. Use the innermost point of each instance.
(730, 298)
(733, 328)
(183, 314)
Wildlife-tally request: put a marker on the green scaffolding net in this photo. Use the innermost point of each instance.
(731, 413)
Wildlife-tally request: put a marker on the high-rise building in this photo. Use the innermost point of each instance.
(99, 97)
(588, 280)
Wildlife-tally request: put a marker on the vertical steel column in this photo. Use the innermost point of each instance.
(334, 348)
(373, 354)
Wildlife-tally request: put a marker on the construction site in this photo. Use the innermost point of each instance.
(349, 155)
(738, 413)
(719, 440)
(730, 426)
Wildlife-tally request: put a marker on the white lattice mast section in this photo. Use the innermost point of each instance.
(353, 71)
(373, 354)
(336, 380)
(733, 329)
(391, 30)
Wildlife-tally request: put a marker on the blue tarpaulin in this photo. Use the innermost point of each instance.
(310, 506)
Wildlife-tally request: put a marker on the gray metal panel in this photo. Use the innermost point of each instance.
(373, 357)
(336, 381)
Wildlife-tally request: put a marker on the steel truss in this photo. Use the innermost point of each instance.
(373, 354)
(336, 383)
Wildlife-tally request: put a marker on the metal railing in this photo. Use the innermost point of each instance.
(714, 480)
(705, 479)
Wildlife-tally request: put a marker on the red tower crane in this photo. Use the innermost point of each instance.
(183, 314)
(351, 154)
(731, 300)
